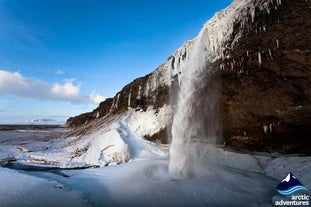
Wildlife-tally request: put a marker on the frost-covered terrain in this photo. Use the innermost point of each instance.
(233, 179)
(225, 178)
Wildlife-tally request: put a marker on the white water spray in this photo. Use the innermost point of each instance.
(196, 120)
(195, 123)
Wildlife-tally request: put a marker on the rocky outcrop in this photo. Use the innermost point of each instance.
(148, 91)
(265, 96)
(267, 80)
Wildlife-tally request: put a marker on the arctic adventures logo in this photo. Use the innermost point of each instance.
(292, 191)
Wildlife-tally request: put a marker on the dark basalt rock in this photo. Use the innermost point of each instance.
(267, 105)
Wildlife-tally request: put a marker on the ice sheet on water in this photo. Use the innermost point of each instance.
(148, 183)
(19, 189)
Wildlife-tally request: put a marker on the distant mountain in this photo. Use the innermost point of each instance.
(45, 121)
(262, 67)
(33, 121)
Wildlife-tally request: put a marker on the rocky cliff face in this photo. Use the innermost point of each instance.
(266, 96)
(265, 78)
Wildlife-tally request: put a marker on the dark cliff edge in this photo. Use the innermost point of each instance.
(266, 86)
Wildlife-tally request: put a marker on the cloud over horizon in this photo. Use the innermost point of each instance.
(14, 83)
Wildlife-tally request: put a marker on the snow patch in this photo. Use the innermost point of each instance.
(105, 148)
(149, 122)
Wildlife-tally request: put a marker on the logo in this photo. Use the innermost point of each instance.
(293, 193)
(290, 185)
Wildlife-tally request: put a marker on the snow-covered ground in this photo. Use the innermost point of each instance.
(220, 178)
(140, 183)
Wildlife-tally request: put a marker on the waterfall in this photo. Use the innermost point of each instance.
(196, 121)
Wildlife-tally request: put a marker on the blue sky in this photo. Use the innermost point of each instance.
(61, 57)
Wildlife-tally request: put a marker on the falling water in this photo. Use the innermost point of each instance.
(196, 121)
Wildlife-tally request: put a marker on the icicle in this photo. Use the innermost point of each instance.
(147, 87)
(264, 28)
(266, 5)
(253, 14)
(270, 54)
(222, 66)
(277, 43)
(247, 53)
(265, 129)
(270, 127)
(129, 100)
(97, 114)
(116, 105)
(112, 105)
(279, 2)
(138, 94)
(259, 58)
(238, 74)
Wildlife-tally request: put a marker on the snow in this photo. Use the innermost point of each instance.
(145, 183)
(149, 122)
(18, 189)
(123, 140)
(221, 178)
(104, 147)
(118, 142)
(141, 183)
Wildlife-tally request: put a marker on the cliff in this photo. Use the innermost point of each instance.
(264, 79)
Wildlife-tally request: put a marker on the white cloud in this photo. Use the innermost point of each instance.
(59, 72)
(96, 98)
(15, 84)
(66, 90)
